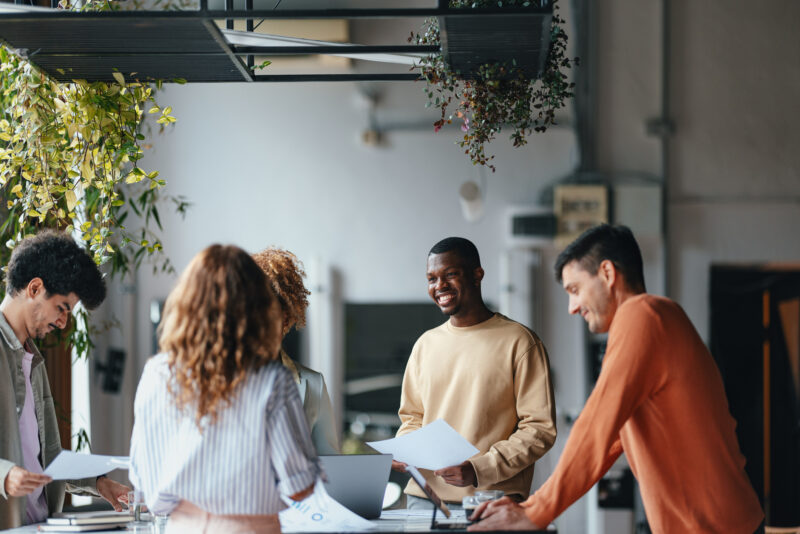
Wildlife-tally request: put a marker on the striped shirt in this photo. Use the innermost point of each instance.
(258, 448)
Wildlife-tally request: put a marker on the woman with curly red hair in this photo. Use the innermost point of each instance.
(219, 428)
(285, 275)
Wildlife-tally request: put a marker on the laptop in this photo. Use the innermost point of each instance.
(358, 481)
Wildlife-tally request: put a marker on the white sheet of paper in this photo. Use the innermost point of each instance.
(319, 512)
(434, 446)
(73, 465)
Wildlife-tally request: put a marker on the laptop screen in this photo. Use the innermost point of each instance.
(358, 481)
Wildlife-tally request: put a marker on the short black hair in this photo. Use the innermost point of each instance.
(465, 249)
(61, 263)
(605, 242)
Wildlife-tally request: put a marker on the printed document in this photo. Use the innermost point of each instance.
(434, 446)
(73, 465)
(320, 513)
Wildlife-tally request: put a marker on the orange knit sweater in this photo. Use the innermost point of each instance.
(660, 399)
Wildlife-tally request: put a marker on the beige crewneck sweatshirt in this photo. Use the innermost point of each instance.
(491, 383)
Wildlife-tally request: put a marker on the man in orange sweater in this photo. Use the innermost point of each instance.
(659, 398)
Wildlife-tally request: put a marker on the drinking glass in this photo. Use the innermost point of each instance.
(469, 503)
(160, 523)
(136, 506)
(488, 495)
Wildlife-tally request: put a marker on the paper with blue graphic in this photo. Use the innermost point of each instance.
(319, 512)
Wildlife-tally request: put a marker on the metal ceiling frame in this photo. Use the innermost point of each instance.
(213, 48)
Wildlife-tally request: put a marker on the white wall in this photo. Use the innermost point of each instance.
(281, 165)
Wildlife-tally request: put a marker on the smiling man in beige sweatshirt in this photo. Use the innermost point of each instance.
(486, 375)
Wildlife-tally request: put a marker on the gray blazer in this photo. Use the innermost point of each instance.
(12, 398)
(316, 404)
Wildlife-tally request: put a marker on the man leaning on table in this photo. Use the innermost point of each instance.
(47, 275)
(486, 375)
(659, 398)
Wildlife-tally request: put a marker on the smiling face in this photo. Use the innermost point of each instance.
(590, 295)
(452, 285)
(46, 312)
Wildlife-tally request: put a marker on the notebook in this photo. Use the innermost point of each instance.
(358, 481)
(105, 517)
(47, 527)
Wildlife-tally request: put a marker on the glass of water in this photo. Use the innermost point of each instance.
(469, 503)
(488, 495)
(137, 507)
(160, 523)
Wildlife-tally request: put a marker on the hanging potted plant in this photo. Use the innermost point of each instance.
(495, 72)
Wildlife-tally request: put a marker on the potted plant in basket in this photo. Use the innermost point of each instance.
(496, 71)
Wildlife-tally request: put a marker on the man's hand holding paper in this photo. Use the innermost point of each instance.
(436, 447)
(400, 467)
(460, 475)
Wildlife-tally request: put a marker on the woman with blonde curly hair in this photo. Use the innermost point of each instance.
(219, 431)
(285, 275)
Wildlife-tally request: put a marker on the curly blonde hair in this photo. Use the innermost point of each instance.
(285, 275)
(220, 323)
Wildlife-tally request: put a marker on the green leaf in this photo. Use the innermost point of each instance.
(119, 77)
(72, 200)
(133, 178)
(263, 65)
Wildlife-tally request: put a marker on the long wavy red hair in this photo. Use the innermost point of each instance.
(220, 323)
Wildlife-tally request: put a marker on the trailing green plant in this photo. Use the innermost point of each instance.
(70, 159)
(129, 5)
(498, 94)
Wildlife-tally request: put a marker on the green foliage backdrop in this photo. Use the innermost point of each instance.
(69, 159)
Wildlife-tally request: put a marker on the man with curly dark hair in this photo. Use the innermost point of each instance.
(47, 276)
